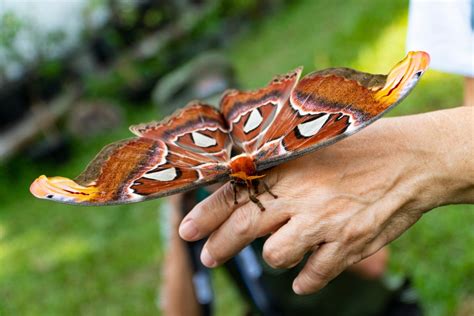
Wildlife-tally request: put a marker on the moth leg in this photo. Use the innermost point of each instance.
(255, 184)
(267, 188)
(254, 199)
(234, 187)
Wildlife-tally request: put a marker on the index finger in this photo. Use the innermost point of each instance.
(209, 214)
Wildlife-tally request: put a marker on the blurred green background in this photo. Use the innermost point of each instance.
(61, 260)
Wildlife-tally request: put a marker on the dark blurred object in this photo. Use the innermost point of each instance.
(404, 302)
(102, 51)
(55, 148)
(41, 118)
(14, 104)
(92, 118)
(39, 85)
(50, 78)
(204, 77)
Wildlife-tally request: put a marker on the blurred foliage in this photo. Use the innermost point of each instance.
(50, 69)
(153, 18)
(10, 25)
(57, 259)
(41, 45)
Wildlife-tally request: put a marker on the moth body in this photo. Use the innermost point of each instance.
(244, 172)
(243, 167)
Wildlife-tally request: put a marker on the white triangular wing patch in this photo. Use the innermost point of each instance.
(202, 140)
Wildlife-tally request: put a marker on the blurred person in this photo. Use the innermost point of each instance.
(445, 30)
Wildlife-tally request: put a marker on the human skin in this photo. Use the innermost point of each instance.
(177, 286)
(344, 202)
(468, 91)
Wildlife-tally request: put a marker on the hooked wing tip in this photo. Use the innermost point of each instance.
(421, 59)
(61, 189)
(403, 76)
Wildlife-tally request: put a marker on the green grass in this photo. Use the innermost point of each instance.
(57, 259)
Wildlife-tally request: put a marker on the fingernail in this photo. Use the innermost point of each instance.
(207, 260)
(297, 288)
(188, 230)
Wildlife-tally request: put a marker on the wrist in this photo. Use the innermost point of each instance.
(443, 149)
(458, 154)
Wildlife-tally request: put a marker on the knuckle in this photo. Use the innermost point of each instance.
(273, 256)
(326, 270)
(353, 233)
(355, 258)
(217, 207)
(310, 283)
(319, 275)
(244, 224)
(207, 214)
(311, 235)
(215, 250)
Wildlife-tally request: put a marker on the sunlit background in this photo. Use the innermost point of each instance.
(74, 74)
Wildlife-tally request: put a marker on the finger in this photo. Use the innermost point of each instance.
(286, 247)
(209, 214)
(322, 266)
(243, 226)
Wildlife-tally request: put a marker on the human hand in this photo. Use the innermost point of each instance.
(344, 202)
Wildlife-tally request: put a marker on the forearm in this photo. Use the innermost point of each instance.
(443, 143)
(458, 143)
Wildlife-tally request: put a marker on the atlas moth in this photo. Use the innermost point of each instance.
(265, 127)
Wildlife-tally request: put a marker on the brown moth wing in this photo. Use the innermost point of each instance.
(142, 168)
(198, 127)
(316, 111)
(189, 149)
(250, 113)
(328, 105)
